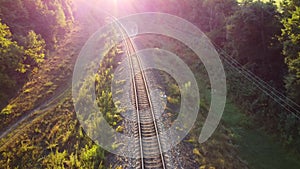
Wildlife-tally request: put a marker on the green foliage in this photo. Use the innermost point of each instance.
(16, 60)
(209, 15)
(251, 34)
(11, 55)
(103, 80)
(35, 49)
(290, 38)
(10, 51)
(50, 19)
(7, 109)
(119, 129)
(90, 157)
(55, 159)
(214, 15)
(48, 84)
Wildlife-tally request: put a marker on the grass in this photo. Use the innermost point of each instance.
(51, 136)
(259, 149)
(44, 82)
(254, 145)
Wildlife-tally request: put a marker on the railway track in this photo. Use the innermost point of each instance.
(146, 129)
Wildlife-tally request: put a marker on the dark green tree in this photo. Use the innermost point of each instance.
(50, 18)
(11, 55)
(213, 16)
(34, 50)
(251, 35)
(290, 38)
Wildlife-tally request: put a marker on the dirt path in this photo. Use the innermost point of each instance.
(43, 107)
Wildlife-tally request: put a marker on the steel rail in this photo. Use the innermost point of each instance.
(130, 52)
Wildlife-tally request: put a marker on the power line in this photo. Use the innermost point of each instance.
(277, 96)
(258, 78)
(267, 93)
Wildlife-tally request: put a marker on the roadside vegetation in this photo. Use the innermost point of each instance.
(39, 44)
(54, 138)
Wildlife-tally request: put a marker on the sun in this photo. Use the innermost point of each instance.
(115, 1)
(122, 2)
(116, 8)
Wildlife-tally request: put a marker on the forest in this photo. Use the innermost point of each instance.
(258, 42)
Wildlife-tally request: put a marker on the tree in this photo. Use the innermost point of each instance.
(290, 38)
(49, 18)
(213, 16)
(35, 49)
(10, 58)
(251, 35)
(28, 26)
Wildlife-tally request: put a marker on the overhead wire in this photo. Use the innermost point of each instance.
(277, 96)
(267, 93)
(258, 78)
